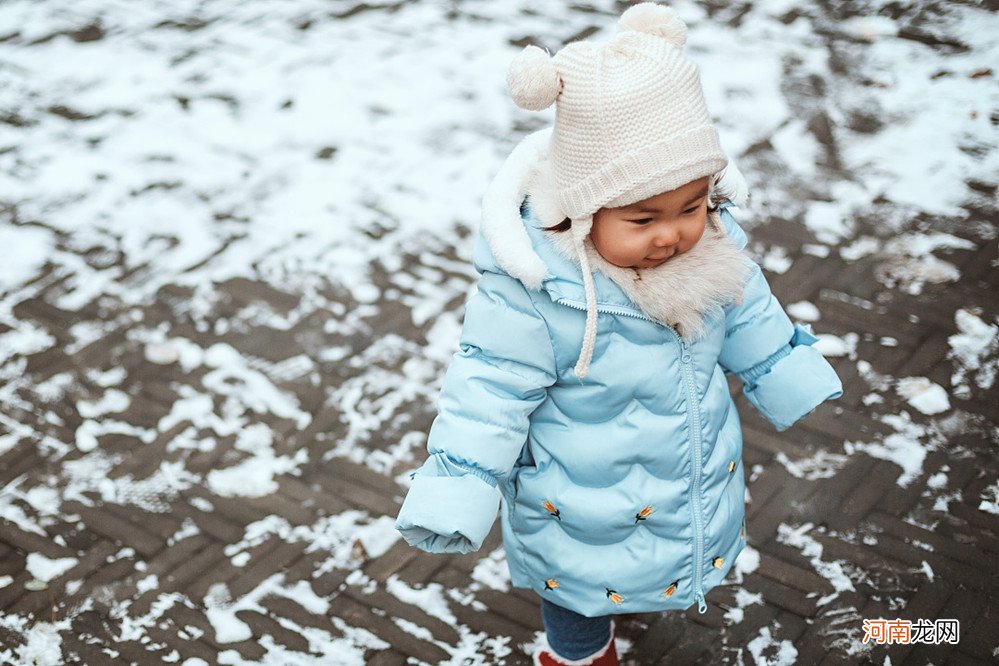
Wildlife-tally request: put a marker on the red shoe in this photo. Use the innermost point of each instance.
(605, 656)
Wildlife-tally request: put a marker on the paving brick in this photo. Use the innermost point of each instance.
(355, 494)
(88, 565)
(395, 608)
(513, 608)
(117, 529)
(394, 559)
(696, 645)
(208, 522)
(385, 658)
(981, 638)
(781, 596)
(792, 576)
(658, 639)
(29, 542)
(421, 569)
(77, 651)
(193, 567)
(792, 626)
(358, 615)
(287, 609)
(878, 479)
(963, 553)
(958, 572)
(258, 569)
(160, 525)
(311, 496)
(264, 624)
(766, 485)
(786, 506)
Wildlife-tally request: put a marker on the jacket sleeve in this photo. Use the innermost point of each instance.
(491, 387)
(783, 376)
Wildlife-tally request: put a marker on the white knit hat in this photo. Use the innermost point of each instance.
(630, 117)
(630, 122)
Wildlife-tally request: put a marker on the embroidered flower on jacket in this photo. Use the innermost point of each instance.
(718, 562)
(551, 584)
(668, 592)
(644, 513)
(551, 509)
(614, 596)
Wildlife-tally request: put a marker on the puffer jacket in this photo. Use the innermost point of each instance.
(622, 491)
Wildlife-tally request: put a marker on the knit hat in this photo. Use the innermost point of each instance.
(630, 122)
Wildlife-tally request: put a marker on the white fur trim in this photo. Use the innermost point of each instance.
(681, 292)
(732, 184)
(501, 223)
(685, 290)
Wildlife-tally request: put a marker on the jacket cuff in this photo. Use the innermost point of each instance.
(790, 387)
(448, 509)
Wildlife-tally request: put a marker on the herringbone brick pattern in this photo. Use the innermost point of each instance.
(906, 555)
(205, 468)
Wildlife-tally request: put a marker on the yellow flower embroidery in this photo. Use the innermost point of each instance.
(718, 562)
(668, 592)
(551, 584)
(731, 465)
(614, 596)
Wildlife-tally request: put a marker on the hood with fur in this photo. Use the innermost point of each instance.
(683, 293)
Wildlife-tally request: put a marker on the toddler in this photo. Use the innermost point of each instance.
(590, 392)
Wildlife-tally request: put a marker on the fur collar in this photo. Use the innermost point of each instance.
(684, 292)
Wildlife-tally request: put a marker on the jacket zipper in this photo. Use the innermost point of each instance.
(694, 420)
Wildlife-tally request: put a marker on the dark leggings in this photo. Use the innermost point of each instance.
(571, 635)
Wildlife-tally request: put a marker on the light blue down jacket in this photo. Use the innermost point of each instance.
(622, 492)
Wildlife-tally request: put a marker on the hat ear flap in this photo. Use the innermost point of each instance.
(532, 80)
(653, 19)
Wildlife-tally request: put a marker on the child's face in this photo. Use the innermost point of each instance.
(650, 231)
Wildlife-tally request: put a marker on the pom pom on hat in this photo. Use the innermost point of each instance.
(653, 19)
(532, 80)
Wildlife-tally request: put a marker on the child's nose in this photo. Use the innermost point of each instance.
(666, 238)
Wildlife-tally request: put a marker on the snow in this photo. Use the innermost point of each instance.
(778, 653)
(822, 465)
(926, 396)
(152, 192)
(255, 476)
(834, 345)
(971, 350)
(990, 499)
(804, 311)
(45, 569)
(834, 571)
(492, 571)
(906, 447)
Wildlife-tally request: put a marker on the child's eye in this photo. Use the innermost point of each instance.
(691, 210)
(644, 220)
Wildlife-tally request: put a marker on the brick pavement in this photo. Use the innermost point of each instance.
(883, 536)
(169, 562)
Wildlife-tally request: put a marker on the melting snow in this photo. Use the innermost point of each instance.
(45, 569)
(924, 395)
(804, 311)
(973, 350)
